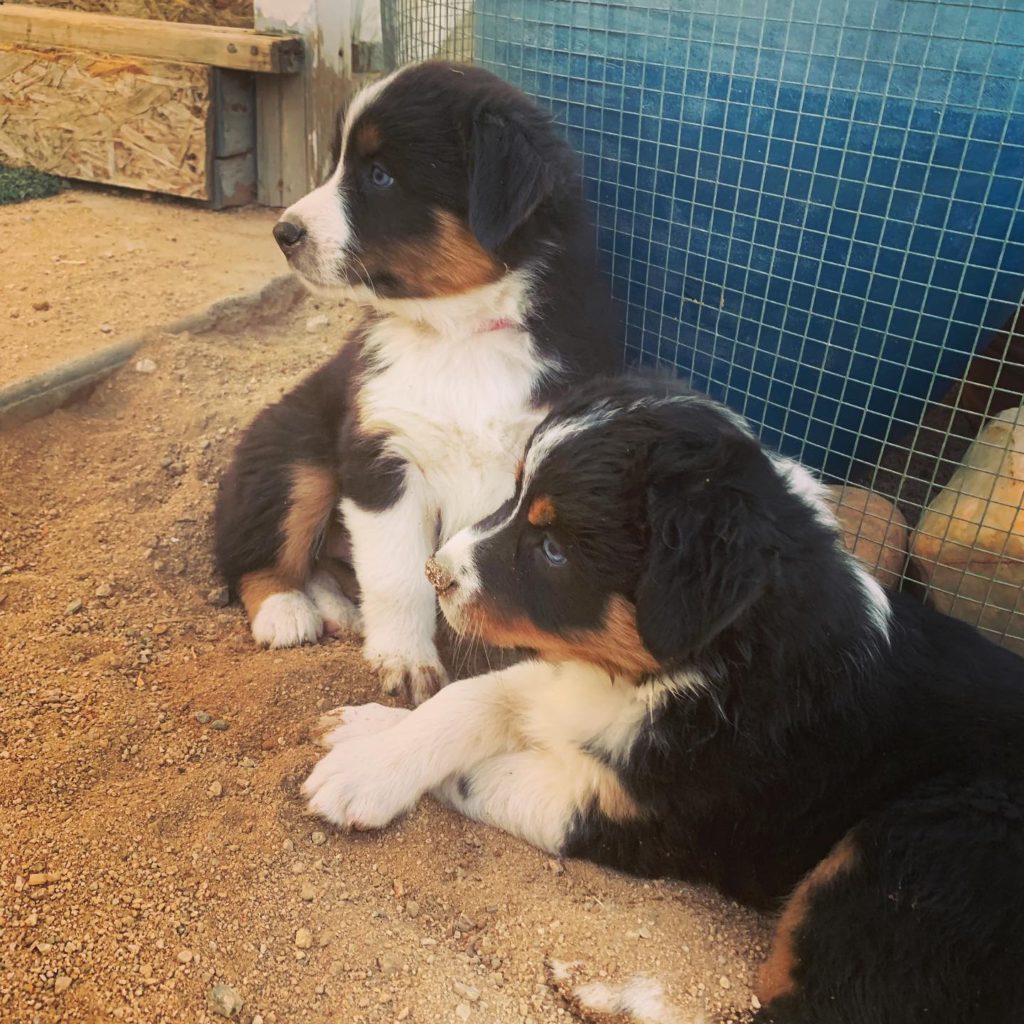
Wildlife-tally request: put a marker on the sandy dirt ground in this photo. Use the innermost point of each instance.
(152, 842)
(87, 267)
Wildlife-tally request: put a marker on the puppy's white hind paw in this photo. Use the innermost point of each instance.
(637, 1001)
(340, 615)
(287, 620)
(348, 723)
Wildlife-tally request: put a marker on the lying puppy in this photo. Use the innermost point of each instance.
(726, 695)
(454, 216)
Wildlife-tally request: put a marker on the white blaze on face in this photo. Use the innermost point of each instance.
(324, 213)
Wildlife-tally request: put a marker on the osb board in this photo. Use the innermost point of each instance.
(236, 13)
(116, 120)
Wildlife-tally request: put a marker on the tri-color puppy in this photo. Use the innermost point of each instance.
(455, 217)
(725, 695)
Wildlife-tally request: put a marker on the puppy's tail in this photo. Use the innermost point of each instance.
(637, 1001)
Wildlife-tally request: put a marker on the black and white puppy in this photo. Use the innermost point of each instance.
(454, 216)
(725, 695)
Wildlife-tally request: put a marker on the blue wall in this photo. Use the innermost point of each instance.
(812, 208)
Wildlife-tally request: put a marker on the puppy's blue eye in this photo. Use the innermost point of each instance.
(553, 551)
(380, 177)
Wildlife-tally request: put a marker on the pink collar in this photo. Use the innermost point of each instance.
(504, 324)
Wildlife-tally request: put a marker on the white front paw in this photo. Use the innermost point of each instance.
(287, 620)
(349, 723)
(411, 680)
(356, 787)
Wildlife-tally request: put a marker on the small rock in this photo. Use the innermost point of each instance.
(724, 982)
(412, 908)
(462, 1011)
(106, 328)
(61, 984)
(298, 867)
(470, 992)
(389, 965)
(318, 839)
(74, 607)
(104, 590)
(218, 597)
(644, 933)
(224, 1000)
(220, 725)
(203, 717)
(145, 366)
(465, 923)
(41, 307)
(216, 789)
(184, 956)
(304, 938)
(307, 892)
(317, 323)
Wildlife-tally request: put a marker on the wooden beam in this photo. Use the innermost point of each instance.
(219, 46)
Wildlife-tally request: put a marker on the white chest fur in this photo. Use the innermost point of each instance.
(456, 406)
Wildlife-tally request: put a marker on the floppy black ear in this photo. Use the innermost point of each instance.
(508, 180)
(710, 552)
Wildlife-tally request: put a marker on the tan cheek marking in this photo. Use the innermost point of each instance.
(613, 800)
(776, 978)
(367, 138)
(615, 645)
(542, 512)
(313, 495)
(449, 262)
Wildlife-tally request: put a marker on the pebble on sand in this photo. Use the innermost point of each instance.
(224, 1000)
(61, 984)
(304, 938)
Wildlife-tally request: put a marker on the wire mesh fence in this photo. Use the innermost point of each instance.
(813, 210)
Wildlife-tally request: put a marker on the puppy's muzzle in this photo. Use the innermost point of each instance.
(441, 577)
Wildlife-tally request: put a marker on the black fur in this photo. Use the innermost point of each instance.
(304, 427)
(798, 721)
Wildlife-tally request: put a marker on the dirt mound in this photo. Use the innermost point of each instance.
(152, 845)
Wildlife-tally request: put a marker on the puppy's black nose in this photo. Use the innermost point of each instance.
(440, 576)
(288, 234)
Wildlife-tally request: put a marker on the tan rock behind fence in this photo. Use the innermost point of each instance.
(874, 530)
(969, 543)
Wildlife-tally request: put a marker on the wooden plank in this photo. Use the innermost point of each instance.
(101, 117)
(216, 45)
(296, 114)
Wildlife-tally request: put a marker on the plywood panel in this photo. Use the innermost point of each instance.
(237, 13)
(118, 120)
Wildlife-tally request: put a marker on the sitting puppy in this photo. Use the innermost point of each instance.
(727, 696)
(454, 217)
